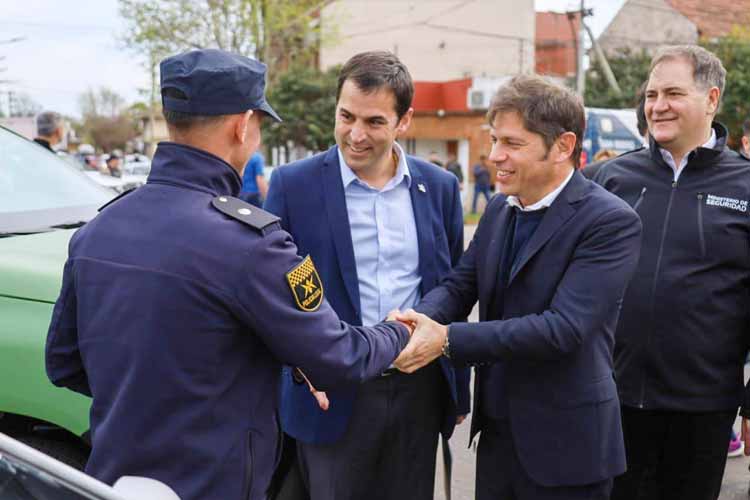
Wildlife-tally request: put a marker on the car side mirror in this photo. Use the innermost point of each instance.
(144, 488)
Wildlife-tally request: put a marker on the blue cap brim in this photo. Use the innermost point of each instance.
(264, 106)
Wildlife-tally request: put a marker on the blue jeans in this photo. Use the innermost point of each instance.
(485, 190)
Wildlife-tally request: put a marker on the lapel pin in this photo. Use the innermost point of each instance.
(422, 188)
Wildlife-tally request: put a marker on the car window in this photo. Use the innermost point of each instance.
(19, 481)
(32, 179)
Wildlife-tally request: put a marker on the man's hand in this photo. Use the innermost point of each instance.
(394, 316)
(425, 345)
(460, 419)
(745, 434)
(319, 396)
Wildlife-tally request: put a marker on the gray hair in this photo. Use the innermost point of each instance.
(47, 122)
(707, 68)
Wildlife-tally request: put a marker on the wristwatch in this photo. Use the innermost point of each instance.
(447, 343)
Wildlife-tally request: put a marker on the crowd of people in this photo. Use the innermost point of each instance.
(611, 338)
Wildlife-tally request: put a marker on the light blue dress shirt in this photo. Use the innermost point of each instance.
(384, 237)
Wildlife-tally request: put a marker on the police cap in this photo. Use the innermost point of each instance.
(214, 82)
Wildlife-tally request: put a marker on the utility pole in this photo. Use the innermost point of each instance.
(580, 52)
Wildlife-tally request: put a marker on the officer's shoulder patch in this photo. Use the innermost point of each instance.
(116, 198)
(306, 286)
(246, 213)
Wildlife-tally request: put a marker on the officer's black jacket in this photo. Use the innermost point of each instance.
(682, 334)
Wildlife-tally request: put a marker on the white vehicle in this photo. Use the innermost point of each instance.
(28, 474)
(136, 164)
(117, 184)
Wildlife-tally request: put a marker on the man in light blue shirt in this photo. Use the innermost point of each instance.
(384, 237)
(383, 228)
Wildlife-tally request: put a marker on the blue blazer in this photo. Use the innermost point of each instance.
(309, 197)
(556, 335)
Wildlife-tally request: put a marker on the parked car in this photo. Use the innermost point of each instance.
(613, 129)
(27, 474)
(126, 181)
(136, 164)
(43, 199)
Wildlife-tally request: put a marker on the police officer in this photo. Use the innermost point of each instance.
(179, 302)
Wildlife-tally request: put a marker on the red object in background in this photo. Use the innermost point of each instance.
(448, 96)
(584, 159)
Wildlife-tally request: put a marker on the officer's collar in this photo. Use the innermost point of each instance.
(183, 165)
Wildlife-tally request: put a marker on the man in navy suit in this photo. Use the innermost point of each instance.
(383, 228)
(549, 264)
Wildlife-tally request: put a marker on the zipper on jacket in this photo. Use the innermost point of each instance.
(667, 212)
(701, 234)
(640, 199)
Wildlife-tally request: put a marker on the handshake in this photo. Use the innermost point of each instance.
(428, 342)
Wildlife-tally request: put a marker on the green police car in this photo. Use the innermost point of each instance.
(42, 201)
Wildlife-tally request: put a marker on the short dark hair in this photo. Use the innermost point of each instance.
(546, 109)
(185, 121)
(746, 128)
(371, 71)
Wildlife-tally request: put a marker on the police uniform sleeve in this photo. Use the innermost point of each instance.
(283, 301)
(62, 356)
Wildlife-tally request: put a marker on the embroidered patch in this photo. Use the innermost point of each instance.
(306, 286)
(723, 201)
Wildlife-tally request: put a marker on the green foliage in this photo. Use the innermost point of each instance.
(278, 32)
(305, 98)
(734, 52)
(630, 69)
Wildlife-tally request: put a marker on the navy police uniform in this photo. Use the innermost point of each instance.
(178, 305)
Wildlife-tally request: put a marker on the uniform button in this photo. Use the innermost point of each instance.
(244, 211)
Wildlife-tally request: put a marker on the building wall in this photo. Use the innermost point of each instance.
(472, 127)
(437, 39)
(647, 24)
(22, 125)
(557, 44)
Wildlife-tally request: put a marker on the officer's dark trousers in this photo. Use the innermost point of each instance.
(500, 475)
(388, 450)
(673, 455)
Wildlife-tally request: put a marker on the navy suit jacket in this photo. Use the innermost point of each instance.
(308, 196)
(556, 334)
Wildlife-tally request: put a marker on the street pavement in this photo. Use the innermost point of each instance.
(734, 485)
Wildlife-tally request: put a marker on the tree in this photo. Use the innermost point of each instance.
(102, 102)
(734, 52)
(305, 98)
(20, 104)
(106, 122)
(278, 32)
(630, 69)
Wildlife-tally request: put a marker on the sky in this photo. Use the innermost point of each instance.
(72, 45)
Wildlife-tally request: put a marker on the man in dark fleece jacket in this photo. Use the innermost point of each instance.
(682, 334)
